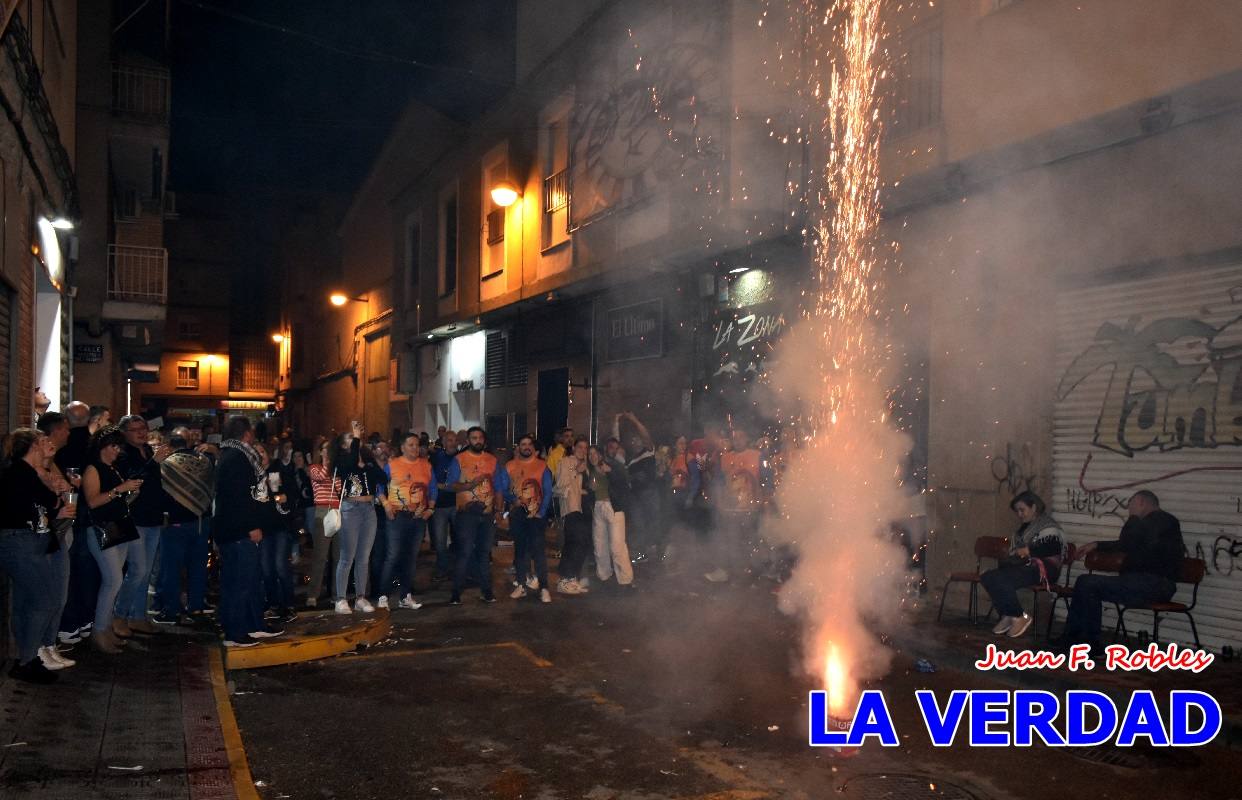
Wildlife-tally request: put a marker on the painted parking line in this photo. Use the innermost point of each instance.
(239, 768)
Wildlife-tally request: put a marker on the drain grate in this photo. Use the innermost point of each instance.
(1112, 756)
(903, 787)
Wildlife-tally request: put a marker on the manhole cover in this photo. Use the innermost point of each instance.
(903, 787)
(1112, 756)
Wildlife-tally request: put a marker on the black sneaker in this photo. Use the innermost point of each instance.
(166, 619)
(288, 615)
(271, 613)
(33, 671)
(489, 598)
(454, 601)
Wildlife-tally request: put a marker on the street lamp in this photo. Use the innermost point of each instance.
(339, 299)
(278, 338)
(505, 193)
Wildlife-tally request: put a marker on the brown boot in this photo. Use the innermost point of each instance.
(120, 628)
(144, 626)
(106, 642)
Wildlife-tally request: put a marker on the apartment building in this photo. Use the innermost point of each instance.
(39, 204)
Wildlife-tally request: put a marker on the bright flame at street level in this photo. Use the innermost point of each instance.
(843, 488)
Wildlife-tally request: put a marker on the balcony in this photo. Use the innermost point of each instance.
(141, 92)
(137, 282)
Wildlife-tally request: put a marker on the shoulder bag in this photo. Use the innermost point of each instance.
(332, 520)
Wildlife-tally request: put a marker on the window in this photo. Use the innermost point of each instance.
(555, 183)
(189, 329)
(501, 367)
(918, 78)
(492, 252)
(187, 374)
(448, 243)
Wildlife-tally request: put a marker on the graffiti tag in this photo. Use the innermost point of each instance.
(1014, 472)
(1096, 504)
(1225, 551)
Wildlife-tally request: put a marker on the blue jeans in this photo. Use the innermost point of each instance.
(440, 522)
(531, 532)
(405, 537)
(58, 563)
(132, 603)
(474, 548)
(111, 584)
(275, 552)
(83, 584)
(23, 555)
(1082, 623)
(241, 589)
(185, 545)
(357, 536)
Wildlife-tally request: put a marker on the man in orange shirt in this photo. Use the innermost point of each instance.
(480, 485)
(529, 496)
(737, 500)
(410, 502)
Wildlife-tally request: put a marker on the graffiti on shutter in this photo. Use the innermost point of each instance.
(1149, 396)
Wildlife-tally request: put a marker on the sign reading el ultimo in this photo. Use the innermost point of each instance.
(635, 331)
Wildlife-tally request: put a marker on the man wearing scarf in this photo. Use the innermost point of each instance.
(242, 503)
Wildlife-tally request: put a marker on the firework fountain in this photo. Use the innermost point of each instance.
(843, 487)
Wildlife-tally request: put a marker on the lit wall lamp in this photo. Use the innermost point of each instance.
(340, 298)
(62, 224)
(505, 193)
(278, 338)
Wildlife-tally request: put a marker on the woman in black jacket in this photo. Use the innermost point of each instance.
(361, 477)
(27, 508)
(1034, 559)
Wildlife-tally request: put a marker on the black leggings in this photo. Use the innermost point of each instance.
(578, 545)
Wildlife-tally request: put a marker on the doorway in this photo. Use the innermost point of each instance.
(552, 412)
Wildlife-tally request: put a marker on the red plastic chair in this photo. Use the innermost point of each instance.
(994, 547)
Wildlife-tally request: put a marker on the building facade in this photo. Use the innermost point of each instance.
(39, 192)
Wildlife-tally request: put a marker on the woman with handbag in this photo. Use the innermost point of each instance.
(327, 489)
(27, 508)
(361, 478)
(111, 536)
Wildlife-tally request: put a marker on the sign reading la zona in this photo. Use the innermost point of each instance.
(635, 331)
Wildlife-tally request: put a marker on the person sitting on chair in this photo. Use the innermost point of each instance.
(1034, 559)
(1151, 541)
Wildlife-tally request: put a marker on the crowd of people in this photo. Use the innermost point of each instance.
(112, 531)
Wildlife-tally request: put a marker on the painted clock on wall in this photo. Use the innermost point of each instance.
(643, 128)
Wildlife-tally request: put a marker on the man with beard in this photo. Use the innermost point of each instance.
(409, 503)
(477, 480)
(529, 496)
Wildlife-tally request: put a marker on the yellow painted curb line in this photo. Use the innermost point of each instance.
(239, 769)
(308, 648)
(520, 649)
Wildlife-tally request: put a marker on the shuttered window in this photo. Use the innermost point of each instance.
(502, 368)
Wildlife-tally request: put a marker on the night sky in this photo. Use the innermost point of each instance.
(308, 107)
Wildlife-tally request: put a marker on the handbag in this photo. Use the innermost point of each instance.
(111, 534)
(332, 520)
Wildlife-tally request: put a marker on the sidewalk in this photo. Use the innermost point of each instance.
(153, 722)
(955, 644)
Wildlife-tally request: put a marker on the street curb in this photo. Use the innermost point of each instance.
(239, 768)
(909, 643)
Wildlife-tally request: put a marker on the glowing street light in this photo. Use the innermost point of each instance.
(338, 299)
(278, 338)
(505, 194)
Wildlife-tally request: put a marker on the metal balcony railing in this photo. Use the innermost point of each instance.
(140, 92)
(137, 274)
(556, 191)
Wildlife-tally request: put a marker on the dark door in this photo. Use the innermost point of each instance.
(553, 412)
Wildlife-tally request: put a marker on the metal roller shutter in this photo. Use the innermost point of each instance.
(1149, 395)
(7, 373)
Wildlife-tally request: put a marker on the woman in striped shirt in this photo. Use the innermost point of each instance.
(327, 490)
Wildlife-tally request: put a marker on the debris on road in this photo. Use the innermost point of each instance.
(923, 665)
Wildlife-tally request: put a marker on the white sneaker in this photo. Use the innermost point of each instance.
(342, 607)
(61, 657)
(69, 637)
(532, 582)
(1003, 626)
(584, 584)
(409, 602)
(383, 601)
(518, 593)
(310, 602)
(364, 605)
(568, 587)
(717, 575)
(1020, 624)
(49, 660)
(545, 596)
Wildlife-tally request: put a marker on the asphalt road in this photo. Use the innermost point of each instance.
(676, 689)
